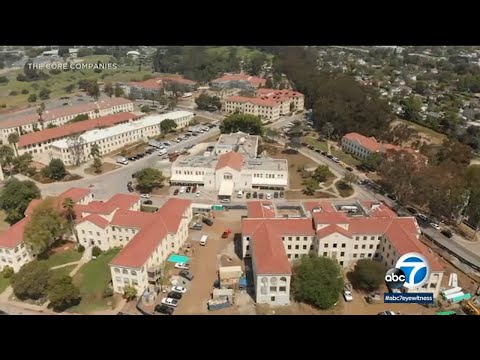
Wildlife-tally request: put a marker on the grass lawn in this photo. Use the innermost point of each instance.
(63, 257)
(92, 279)
(322, 145)
(432, 135)
(65, 270)
(346, 158)
(106, 167)
(3, 225)
(298, 194)
(3, 283)
(202, 120)
(295, 162)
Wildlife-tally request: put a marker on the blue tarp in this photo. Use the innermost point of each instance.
(243, 282)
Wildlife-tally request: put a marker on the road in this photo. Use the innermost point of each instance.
(12, 309)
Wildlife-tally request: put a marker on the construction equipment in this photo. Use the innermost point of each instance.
(470, 308)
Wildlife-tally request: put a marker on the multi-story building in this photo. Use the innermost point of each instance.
(232, 165)
(361, 147)
(268, 110)
(145, 89)
(146, 239)
(285, 98)
(373, 232)
(115, 137)
(40, 141)
(240, 81)
(22, 124)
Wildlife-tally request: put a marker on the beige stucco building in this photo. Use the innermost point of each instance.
(375, 232)
(268, 110)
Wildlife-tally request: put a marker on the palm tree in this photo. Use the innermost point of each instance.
(40, 111)
(13, 139)
(69, 207)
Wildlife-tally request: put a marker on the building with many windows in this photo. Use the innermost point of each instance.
(373, 231)
(22, 124)
(268, 110)
(288, 100)
(238, 81)
(114, 137)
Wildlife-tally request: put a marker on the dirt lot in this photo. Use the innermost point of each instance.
(106, 167)
(295, 162)
(298, 194)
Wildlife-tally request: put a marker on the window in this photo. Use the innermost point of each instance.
(344, 245)
(118, 279)
(7, 252)
(354, 256)
(372, 237)
(362, 256)
(290, 238)
(325, 245)
(289, 247)
(433, 285)
(311, 247)
(389, 246)
(370, 255)
(248, 247)
(325, 254)
(133, 272)
(283, 289)
(272, 298)
(99, 242)
(378, 246)
(364, 238)
(364, 246)
(289, 256)
(304, 247)
(125, 271)
(388, 255)
(273, 289)
(16, 249)
(355, 247)
(297, 247)
(126, 281)
(357, 237)
(172, 245)
(114, 237)
(296, 256)
(342, 253)
(334, 246)
(370, 247)
(341, 263)
(305, 238)
(117, 270)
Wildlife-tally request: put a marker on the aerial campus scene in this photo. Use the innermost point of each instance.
(239, 180)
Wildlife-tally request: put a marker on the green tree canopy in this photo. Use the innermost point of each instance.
(149, 179)
(168, 125)
(246, 123)
(80, 117)
(31, 282)
(372, 162)
(368, 274)
(317, 281)
(322, 173)
(46, 225)
(129, 292)
(62, 293)
(55, 170)
(207, 102)
(15, 197)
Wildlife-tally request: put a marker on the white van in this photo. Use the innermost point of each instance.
(239, 194)
(203, 240)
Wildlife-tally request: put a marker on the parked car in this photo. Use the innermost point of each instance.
(170, 302)
(435, 226)
(324, 153)
(260, 196)
(145, 196)
(255, 194)
(329, 156)
(317, 151)
(186, 274)
(275, 194)
(347, 294)
(164, 309)
(197, 194)
(179, 289)
(387, 312)
(148, 202)
(175, 192)
(207, 221)
(182, 265)
(311, 147)
(132, 158)
(182, 189)
(194, 189)
(392, 197)
(348, 168)
(282, 194)
(188, 189)
(248, 196)
(446, 233)
(174, 295)
(269, 196)
(196, 226)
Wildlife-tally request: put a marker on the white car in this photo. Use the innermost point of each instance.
(198, 193)
(182, 189)
(179, 289)
(182, 266)
(145, 196)
(435, 226)
(347, 294)
(387, 312)
(269, 196)
(170, 302)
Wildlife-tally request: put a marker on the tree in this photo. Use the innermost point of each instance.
(420, 87)
(6, 155)
(292, 106)
(32, 98)
(13, 139)
(317, 281)
(168, 125)
(68, 206)
(95, 151)
(97, 165)
(145, 109)
(62, 293)
(76, 144)
(118, 91)
(207, 102)
(82, 52)
(149, 179)
(46, 225)
(399, 134)
(350, 178)
(172, 103)
(129, 292)
(22, 164)
(295, 143)
(44, 94)
(15, 197)
(368, 274)
(372, 162)
(79, 117)
(321, 173)
(311, 186)
(63, 51)
(40, 110)
(255, 63)
(411, 109)
(69, 88)
(271, 133)
(93, 89)
(246, 123)
(108, 88)
(55, 170)
(7, 272)
(31, 281)
(96, 251)
(269, 83)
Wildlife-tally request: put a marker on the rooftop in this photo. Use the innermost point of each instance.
(260, 209)
(252, 100)
(241, 142)
(74, 128)
(266, 164)
(100, 134)
(252, 80)
(231, 159)
(13, 236)
(277, 94)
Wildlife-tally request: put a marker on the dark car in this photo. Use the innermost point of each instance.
(248, 196)
(304, 144)
(3, 313)
(255, 195)
(132, 158)
(196, 226)
(194, 189)
(275, 194)
(329, 156)
(119, 313)
(348, 168)
(150, 151)
(186, 274)
(164, 309)
(411, 210)
(176, 192)
(282, 194)
(188, 189)
(324, 153)
(174, 295)
(446, 233)
(207, 221)
(311, 147)
(317, 150)
(260, 196)
(392, 197)
(148, 202)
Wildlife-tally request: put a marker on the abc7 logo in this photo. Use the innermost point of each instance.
(395, 278)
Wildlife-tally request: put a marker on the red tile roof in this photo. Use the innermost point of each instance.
(63, 111)
(332, 229)
(323, 205)
(279, 93)
(95, 219)
(147, 84)
(178, 79)
(74, 128)
(260, 209)
(231, 159)
(268, 251)
(141, 247)
(124, 201)
(76, 194)
(378, 210)
(132, 219)
(13, 236)
(252, 100)
(330, 217)
(252, 80)
(369, 143)
(296, 226)
(96, 207)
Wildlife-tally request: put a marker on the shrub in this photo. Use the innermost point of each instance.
(81, 248)
(7, 272)
(108, 292)
(25, 91)
(32, 98)
(13, 93)
(3, 105)
(96, 251)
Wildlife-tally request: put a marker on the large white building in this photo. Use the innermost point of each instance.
(115, 137)
(374, 232)
(231, 166)
(22, 124)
